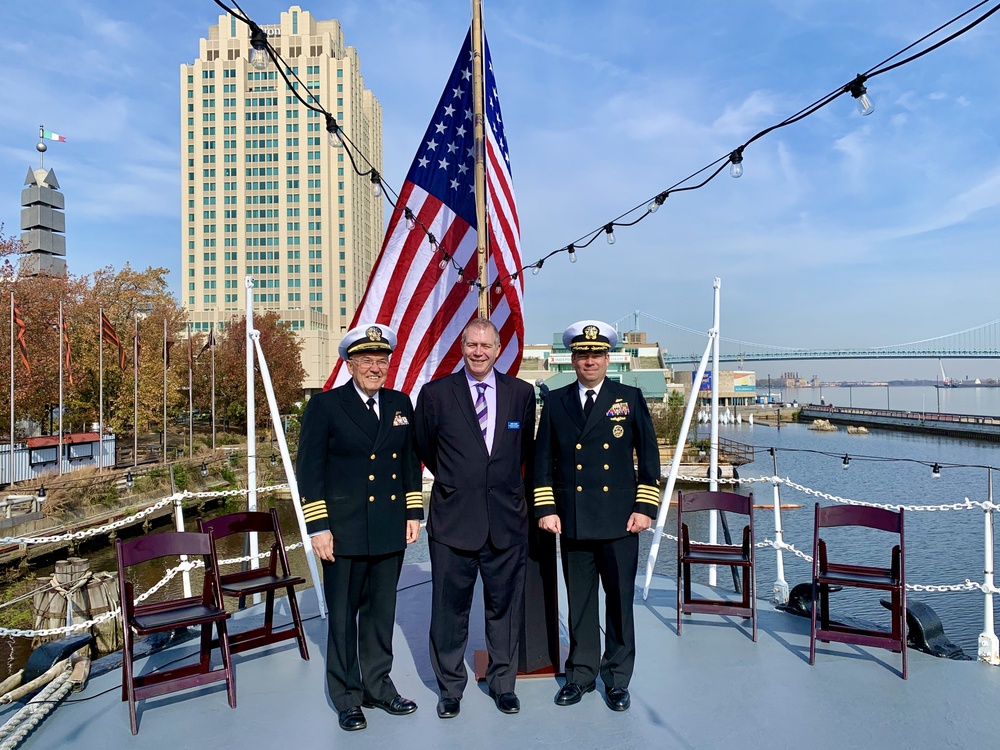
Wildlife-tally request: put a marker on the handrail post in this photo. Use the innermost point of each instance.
(989, 646)
(780, 584)
(179, 526)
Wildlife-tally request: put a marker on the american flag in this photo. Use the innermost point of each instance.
(428, 306)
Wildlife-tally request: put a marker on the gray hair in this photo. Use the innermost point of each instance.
(481, 324)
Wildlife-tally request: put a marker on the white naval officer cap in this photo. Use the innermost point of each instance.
(590, 336)
(368, 337)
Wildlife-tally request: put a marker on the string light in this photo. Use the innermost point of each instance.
(657, 202)
(498, 289)
(443, 264)
(204, 469)
(857, 89)
(410, 219)
(736, 163)
(734, 159)
(259, 58)
(847, 461)
(572, 253)
(936, 471)
(376, 184)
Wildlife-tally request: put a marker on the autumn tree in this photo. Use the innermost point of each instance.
(282, 351)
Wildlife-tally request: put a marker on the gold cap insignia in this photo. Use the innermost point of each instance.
(590, 333)
(374, 333)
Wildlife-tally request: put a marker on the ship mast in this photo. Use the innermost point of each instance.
(478, 131)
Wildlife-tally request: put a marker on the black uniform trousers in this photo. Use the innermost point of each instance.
(361, 599)
(614, 562)
(454, 583)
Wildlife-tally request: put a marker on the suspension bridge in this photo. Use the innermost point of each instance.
(979, 342)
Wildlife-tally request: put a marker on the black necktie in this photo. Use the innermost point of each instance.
(371, 410)
(588, 405)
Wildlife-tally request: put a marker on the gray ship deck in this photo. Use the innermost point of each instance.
(713, 687)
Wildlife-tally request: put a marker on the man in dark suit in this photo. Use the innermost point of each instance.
(359, 482)
(586, 490)
(475, 432)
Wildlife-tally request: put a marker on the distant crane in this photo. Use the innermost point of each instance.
(946, 382)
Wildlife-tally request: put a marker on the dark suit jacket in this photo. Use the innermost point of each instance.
(476, 494)
(361, 485)
(585, 472)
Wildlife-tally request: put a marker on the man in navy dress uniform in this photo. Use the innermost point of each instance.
(475, 432)
(588, 491)
(359, 482)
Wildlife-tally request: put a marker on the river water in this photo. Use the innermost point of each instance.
(942, 547)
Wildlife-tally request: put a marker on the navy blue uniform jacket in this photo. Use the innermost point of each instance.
(360, 484)
(476, 494)
(585, 472)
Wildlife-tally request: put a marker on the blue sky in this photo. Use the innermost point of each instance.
(843, 230)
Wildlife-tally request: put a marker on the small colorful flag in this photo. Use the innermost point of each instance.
(109, 334)
(209, 343)
(167, 343)
(49, 135)
(21, 345)
(68, 357)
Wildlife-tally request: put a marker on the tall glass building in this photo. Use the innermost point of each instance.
(263, 193)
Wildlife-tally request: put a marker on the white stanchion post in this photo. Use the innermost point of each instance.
(989, 645)
(713, 456)
(179, 526)
(286, 462)
(668, 491)
(780, 584)
(251, 428)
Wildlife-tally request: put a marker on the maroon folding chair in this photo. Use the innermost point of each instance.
(140, 619)
(827, 574)
(265, 580)
(734, 555)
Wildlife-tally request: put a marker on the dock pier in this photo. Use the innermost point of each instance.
(970, 426)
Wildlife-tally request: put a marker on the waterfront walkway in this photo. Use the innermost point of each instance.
(971, 426)
(713, 687)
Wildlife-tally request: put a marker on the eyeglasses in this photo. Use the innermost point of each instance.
(367, 362)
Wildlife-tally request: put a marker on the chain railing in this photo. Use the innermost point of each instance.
(989, 644)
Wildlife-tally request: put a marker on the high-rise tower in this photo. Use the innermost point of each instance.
(262, 191)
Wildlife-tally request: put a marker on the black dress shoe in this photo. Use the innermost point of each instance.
(618, 699)
(448, 708)
(506, 702)
(352, 719)
(398, 706)
(571, 693)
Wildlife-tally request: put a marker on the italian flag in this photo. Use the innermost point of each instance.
(53, 136)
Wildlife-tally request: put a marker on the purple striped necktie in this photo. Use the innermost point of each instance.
(481, 407)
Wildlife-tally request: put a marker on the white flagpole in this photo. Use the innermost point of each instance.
(165, 350)
(135, 390)
(190, 395)
(61, 335)
(10, 475)
(212, 341)
(713, 450)
(251, 424)
(100, 378)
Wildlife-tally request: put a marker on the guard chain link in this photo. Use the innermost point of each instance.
(129, 520)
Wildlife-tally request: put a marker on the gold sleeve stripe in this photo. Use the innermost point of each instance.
(414, 504)
(647, 493)
(539, 503)
(411, 496)
(316, 516)
(650, 487)
(543, 492)
(648, 502)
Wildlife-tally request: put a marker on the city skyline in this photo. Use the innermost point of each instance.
(843, 230)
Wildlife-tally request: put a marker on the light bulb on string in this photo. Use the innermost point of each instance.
(537, 268)
(376, 184)
(258, 48)
(572, 253)
(657, 202)
(847, 461)
(935, 471)
(736, 163)
(498, 288)
(609, 231)
(411, 221)
(858, 90)
(443, 264)
(336, 140)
